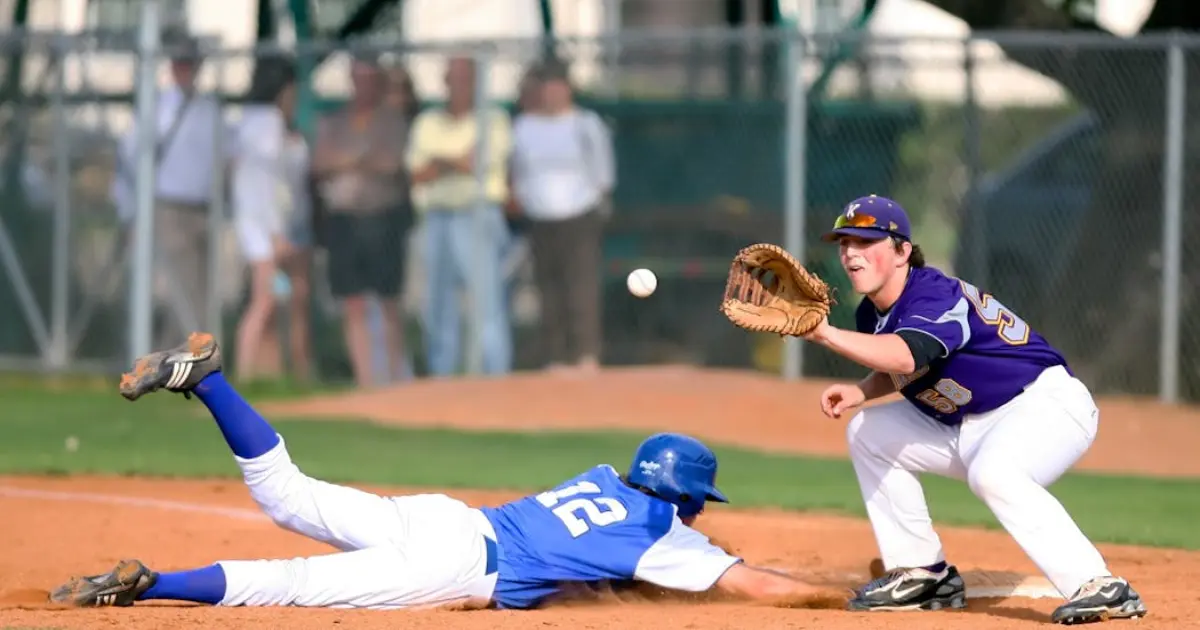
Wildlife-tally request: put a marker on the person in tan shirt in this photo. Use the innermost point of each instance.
(358, 162)
(464, 228)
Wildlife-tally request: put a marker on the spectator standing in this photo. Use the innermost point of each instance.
(464, 232)
(188, 122)
(358, 162)
(563, 177)
(272, 213)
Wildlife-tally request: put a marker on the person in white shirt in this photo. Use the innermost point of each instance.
(186, 158)
(272, 213)
(563, 174)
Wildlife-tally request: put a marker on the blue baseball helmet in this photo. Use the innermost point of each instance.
(678, 469)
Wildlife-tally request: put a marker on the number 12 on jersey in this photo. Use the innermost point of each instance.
(568, 511)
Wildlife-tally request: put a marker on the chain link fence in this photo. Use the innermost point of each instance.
(1034, 169)
(62, 268)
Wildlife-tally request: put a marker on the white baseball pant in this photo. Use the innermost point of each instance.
(424, 550)
(1007, 456)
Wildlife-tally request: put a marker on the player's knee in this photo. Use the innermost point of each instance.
(279, 513)
(279, 502)
(992, 480)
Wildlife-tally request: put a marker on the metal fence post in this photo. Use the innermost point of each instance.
(971, 146)
(475, 349)
(1172, 223)
(61, 268)
(611, 48)
(216, 210)
(795, 206)
(141, 305)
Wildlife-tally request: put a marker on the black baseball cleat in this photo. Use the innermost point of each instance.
(178, 370)
(912, 589)
(119, 587)
(1102, 598)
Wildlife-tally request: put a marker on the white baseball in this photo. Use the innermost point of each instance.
(641, 282)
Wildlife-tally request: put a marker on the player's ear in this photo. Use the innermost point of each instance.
(903, 251)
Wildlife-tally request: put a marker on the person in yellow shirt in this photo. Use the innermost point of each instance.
(464, 229)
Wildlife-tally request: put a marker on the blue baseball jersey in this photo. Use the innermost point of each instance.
(594, 528)
(989, 354)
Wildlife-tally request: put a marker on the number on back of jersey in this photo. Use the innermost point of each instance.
(567, 505)
(1011, 329)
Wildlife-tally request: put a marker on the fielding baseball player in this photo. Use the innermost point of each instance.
(985, 400)
(432, 550)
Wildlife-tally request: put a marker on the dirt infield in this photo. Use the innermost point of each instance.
(731, 407)
(54, 528)
(58, 527)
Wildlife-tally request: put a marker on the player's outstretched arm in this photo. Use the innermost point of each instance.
(757, 584)
(686, 560)
(883, 353)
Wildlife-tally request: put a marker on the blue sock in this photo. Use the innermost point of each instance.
(247, 433)
(936, 568)
(205, 586)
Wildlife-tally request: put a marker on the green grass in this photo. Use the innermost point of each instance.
(167, 436)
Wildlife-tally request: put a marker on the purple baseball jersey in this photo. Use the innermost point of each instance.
(990, 353)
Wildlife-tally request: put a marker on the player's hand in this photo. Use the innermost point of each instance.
(838, 399)
(818, 334)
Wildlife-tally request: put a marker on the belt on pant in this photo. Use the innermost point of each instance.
(492, 563)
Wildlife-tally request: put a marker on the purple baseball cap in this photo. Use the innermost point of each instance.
(872, 218)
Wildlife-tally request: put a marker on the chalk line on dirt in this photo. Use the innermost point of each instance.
(1031, 587)
(130, 501)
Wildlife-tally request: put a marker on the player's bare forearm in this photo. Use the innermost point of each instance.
(882, 353)
(759, 584)
(877, 385)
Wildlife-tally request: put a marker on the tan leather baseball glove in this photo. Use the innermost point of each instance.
(768, 290)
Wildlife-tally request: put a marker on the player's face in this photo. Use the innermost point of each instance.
(868, 263)
(688, 520)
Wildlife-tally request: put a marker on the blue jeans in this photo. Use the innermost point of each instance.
(462, 249)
